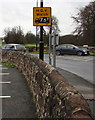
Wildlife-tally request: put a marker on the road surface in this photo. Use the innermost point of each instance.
(82, 66)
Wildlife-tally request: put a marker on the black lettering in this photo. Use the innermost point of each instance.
(38, 14)
(37, 10)
(46, 14)
(41, 10)
(42, 14)
(45, 10)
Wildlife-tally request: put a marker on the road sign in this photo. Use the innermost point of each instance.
(55, 37)
(42, 16)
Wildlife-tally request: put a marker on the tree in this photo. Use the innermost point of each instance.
(46, 39)
(30, 38)
(14, 35)
(55, 27)
(85, 20)
(69, 39)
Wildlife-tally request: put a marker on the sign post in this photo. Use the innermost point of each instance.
(36, 31)
(41, 52)
(41, 17)
(55, 41)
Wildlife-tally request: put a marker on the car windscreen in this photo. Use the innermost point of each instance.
(8, 46)
(74, 46)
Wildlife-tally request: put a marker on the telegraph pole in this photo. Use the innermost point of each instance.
(41, 47)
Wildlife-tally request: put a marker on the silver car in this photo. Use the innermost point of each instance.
(14, 47)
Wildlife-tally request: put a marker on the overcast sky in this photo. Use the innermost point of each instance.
(20, 13)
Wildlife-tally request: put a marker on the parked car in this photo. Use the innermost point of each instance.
(70, 49)
(0, 47)
(14, 47)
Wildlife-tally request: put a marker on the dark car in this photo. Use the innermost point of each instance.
(70, 49)
(0, 47)
(14, 47)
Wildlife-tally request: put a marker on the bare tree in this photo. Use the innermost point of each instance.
(85, 20)
(14, 35)
(55, 27)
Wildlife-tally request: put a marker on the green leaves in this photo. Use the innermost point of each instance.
(8, 65)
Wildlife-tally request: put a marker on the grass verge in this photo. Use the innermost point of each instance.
(92, 54)
(8, 65)
(37, 52)
(32, 45)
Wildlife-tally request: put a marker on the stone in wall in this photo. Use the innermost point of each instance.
(54, 96)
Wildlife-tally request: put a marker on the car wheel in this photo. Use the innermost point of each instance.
(79, 53)
(58, 53)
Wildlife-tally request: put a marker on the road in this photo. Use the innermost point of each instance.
(17, 102)
(82, 66)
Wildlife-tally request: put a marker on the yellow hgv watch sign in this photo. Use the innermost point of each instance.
(42, 16)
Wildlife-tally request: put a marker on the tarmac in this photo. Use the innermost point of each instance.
(18, 102)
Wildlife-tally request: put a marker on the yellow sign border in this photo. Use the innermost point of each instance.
(36, 17)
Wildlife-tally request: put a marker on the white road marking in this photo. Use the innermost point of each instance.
(3, 68)
(5, 82)
(89, 60)
(5, 96)
(4, 73)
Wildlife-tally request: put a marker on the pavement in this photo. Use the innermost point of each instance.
(84, 87)
(17, 102)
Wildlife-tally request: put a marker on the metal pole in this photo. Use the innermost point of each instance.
(54, 51)
(36, 31)
(50, 38)
(37, 3)
(36, 39)
(41, 48)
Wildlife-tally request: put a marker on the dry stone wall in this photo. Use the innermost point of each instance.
(53, 95)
